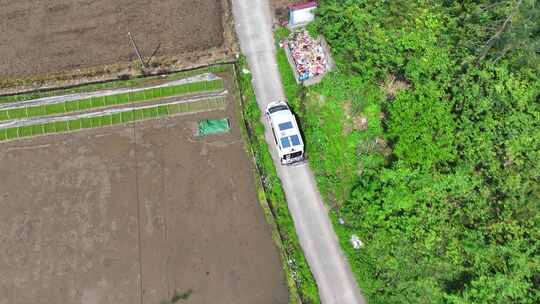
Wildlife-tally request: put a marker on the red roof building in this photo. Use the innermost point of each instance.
(297, 6)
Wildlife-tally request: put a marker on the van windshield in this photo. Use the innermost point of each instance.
(277, 108)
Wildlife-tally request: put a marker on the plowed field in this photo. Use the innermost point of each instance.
(46, 36)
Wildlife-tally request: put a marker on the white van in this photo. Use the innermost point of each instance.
(286, 133)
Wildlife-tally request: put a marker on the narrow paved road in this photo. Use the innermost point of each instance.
(333, 275)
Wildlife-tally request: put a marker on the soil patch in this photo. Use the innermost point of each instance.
(87, 38)
(147, 211)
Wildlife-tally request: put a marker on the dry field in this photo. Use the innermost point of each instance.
(63, 37)
(133, 214)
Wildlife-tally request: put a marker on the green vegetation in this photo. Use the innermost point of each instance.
(296, 263)
(111, 118)
(181, 296)
(177, 296)
(426, 142)
(290, 86)
(218, 68)
(111, 100)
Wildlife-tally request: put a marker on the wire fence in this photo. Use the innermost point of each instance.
(110, 100)
(74, 123)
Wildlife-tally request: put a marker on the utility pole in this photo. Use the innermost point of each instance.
(136, 50)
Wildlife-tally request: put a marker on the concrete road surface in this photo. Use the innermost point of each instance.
(331, 270)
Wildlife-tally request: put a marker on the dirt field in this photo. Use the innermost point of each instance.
(38, 37)
(131, 215)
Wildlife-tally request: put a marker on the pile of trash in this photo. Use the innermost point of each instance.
(308, 55)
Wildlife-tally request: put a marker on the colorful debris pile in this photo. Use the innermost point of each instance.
(308, 55)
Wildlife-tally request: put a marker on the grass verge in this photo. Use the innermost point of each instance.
(330, 113)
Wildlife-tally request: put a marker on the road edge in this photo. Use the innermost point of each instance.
(298, 294)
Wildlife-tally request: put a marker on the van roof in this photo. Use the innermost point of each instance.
(286, 129)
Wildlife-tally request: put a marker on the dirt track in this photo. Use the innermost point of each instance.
(45, 36)
(85, 215)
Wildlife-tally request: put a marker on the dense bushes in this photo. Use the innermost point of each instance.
(443, 183)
